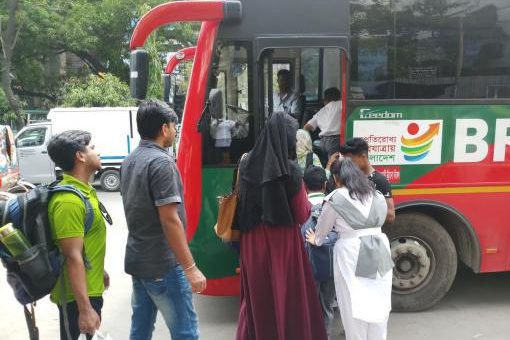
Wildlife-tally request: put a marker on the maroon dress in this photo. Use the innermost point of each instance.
(278, 295)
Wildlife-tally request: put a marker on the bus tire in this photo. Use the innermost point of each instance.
(110, 180)
(425, 261)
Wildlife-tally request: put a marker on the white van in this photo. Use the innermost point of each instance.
(113, 132)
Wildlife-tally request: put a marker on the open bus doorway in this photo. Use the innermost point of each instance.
(311, 70)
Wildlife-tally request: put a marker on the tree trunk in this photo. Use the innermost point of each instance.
(8, 42)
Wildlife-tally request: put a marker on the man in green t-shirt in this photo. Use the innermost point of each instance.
(84, 275)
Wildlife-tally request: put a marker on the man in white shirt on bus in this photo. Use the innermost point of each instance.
(286, 100)
(328, 121)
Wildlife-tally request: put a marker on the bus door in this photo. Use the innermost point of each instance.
(314, 64)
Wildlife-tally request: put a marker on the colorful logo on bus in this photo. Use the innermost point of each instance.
(418, 146)
(401, 141)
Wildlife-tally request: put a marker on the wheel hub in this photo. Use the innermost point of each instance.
(412, 263)
(111, 181)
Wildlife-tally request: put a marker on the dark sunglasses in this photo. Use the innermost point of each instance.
(105, 214)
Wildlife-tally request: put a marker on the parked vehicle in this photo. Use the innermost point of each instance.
(113, 133)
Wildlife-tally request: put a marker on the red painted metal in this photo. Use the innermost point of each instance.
(189, 157)
(183, 55)
(178, 11)
(448, 175)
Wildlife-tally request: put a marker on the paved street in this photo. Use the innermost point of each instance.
(477, 307)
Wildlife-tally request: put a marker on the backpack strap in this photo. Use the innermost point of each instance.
(309, 160)
(33, 331)
(89, 213)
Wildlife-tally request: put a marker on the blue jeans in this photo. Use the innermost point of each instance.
(172, 296)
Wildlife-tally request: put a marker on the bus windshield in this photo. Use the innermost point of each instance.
(229, 125)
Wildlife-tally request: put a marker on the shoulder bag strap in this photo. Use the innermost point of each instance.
(309, 159)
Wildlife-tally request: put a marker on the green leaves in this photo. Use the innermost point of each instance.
(96, 91)
(44, 72)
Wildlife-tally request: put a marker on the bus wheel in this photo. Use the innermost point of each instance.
(425, 261)
(110, 180)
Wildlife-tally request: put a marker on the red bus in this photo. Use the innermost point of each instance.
(427, 84)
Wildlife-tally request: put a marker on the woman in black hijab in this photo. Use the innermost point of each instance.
(278, 295)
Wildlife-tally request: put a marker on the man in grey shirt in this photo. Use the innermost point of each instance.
(157, 257)
(286, 100)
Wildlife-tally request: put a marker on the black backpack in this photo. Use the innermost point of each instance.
(33, 274)
(321, 258)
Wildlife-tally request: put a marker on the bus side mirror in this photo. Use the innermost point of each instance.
(216, 103)
(169, 89)
(139, 73)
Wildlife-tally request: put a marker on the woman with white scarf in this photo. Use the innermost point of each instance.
(304, 150)
(362, 258)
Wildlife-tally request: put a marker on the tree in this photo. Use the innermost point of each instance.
(8, 38)
(6, 114)
(98, 32)
(97, 91)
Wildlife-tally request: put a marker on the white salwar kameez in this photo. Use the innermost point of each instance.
(364, 303)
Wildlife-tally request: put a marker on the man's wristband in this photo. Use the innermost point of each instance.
(191, 267)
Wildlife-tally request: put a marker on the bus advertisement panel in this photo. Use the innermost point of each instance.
(448, 165)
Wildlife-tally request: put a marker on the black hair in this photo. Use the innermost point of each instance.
(62, 148)
(355, 146)
(151, 115)
(332, 94)
(284, 73)
(315, 178)
(350, 176)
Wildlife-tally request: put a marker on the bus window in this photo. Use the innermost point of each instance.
(371, 29)
(416, 50)
(231, 119)
(463, 54)
(282, 81)
(310, 63)
(182, 76)
(331, 69)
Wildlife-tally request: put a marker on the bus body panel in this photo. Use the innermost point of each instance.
(463, 164)
(483, 212)
(287, 17)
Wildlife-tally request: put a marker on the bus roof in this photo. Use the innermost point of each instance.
(288, 17)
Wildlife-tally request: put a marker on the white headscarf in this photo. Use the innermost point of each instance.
(303, 143)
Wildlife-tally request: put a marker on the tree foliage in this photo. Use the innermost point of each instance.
(6, 114)
(97, 91)
(97, 32)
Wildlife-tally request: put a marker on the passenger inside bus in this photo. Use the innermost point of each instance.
(327, 120)
(286, 99)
